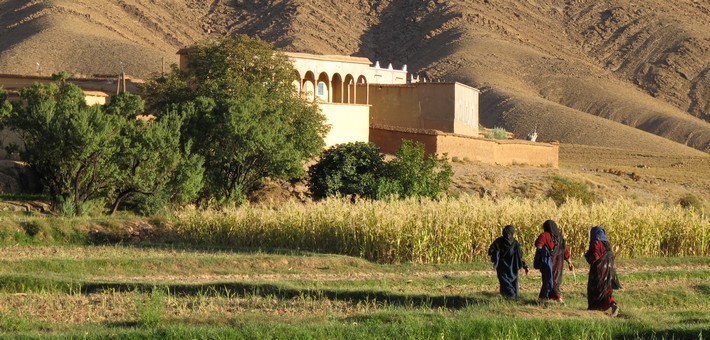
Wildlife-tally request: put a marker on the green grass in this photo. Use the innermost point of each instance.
(131, 292)
(90, 278)
(415, 327)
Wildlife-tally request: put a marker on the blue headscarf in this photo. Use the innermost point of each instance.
(597, 234)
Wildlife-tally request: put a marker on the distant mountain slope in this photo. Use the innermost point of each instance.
(596, 72)
(662, 46)
(96, 36)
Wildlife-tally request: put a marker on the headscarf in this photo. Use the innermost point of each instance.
(509, 234)
(551, 227)
(597, 234)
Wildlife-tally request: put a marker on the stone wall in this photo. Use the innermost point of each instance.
(491, 151)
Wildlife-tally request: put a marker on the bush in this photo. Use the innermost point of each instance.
(359, 169)
(413, 174)
(351, 169)
(497, 133)
(690, 201)
(564, 188)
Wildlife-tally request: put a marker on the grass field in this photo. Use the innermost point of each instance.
(123, 292)
(55, 283)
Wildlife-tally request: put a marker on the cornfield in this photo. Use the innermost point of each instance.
(451, 230)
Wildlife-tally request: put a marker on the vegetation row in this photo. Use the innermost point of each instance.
(450, 230)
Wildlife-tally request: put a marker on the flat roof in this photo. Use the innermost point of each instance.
(426, 84)
(301, 55)
(330, 57)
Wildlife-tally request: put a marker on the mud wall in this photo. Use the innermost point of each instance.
(502, 152)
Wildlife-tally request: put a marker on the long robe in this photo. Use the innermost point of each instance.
(602, 276)
(508, 259)
(551, 289)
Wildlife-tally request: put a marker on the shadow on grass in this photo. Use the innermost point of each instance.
(22, 284)
(124, 324)
(270, 290)
(206, 248)
(703, 289)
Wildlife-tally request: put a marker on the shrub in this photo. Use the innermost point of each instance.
(690, 201)
(150, 310)
(564, 188)
(359, 169)
(32, 228)
(414, 174)
(347, 169)
(497, 133)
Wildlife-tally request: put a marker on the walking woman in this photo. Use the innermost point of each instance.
(507, 257)
(551, 252)
(602, 272)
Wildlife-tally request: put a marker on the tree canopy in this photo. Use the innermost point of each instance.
(91, 155)
(242, 113)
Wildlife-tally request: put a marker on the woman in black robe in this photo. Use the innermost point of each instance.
(507, 257)
(602, 272)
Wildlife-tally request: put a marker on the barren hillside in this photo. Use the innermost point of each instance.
(614, 74)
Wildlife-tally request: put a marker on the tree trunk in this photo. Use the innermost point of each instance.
(117, 202)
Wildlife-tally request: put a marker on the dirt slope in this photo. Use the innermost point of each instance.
(604, 73)
(89, 37)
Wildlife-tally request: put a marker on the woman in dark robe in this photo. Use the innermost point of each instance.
(507, 257)
(551, 242)
(602, 272)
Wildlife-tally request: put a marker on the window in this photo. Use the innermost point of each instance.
(321, 90)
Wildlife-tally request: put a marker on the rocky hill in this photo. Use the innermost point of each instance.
(615, 74)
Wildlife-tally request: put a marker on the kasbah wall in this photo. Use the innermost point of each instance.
(491, 151)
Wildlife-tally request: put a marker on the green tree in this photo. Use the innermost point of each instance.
(243, 114)
(5, 106)
(153, 170)
(412, 173)
(5, 111)
(350, 169)
(67, 143)
(92, 154)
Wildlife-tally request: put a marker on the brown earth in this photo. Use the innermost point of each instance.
(610, 173)
(639, 176)
(631, 75)
(580, 72)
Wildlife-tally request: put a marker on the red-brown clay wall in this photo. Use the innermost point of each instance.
(389, 141)
(503, 152)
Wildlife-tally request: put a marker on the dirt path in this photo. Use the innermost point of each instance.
(362, 276)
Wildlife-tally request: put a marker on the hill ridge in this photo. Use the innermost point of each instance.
(549, 64)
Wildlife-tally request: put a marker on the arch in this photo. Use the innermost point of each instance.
(337, 88)
(323, 88)
(349, 89)
(297, 81)
(308, 87)
(362, 91)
